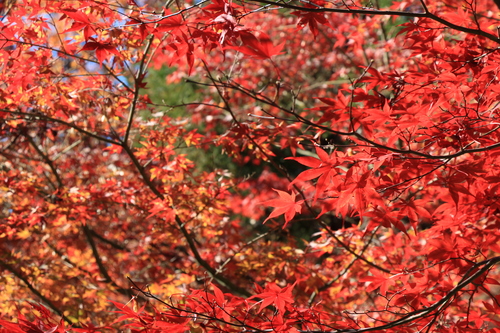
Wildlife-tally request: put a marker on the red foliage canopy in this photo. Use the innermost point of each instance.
(366, 141)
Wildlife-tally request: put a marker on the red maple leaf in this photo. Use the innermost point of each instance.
(259, 48)
(312, 20)
(284, 205)
(377, 280)
(275, 296)
(324, 168)
(102, 50)
(80, 21)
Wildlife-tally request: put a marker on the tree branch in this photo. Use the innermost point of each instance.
(35, 291)
(47, 161)
(468, 278)
(319, 9)
(40, 116)
(192, 246)
(344, 271)
(285, 174)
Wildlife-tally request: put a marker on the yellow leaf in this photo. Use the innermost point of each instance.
(24, 234)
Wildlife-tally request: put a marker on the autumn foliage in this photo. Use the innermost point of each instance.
(336, 171)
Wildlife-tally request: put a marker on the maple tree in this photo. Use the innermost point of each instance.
(363, 194)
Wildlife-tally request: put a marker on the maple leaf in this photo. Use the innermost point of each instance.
(311, 19)
(140, 26)
(102, 50)
(81, 21)
(324, 168)
(284, 205)
(377, 280)
(126, 312)
(114, 149)
(170, 23)
(275, 296)
(13, 327)
(259, 48)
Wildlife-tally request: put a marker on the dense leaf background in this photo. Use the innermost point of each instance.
(258, 166)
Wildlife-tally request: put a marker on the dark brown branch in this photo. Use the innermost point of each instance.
(107, 241)
(344, 271)
(213, 273)
(137, 82)
(47, 161)
(194, 314)
(348, 249)
(217, 276)
(66, 259)
(86, 229)
(426, 14)
(192, 246)
(100, 264)
(40, 116)
(468, 278)
(95, 252)
(189, 239)
(141, 71)
(356, 134)
(35, 291)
